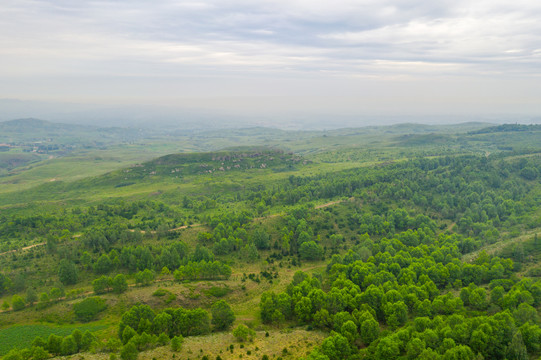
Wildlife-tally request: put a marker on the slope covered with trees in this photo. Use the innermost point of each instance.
(420, 257)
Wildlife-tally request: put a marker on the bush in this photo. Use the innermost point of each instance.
(160, 292)
(102, 284)
(39, 353)
(144, 278)
(13, 354)
(144, 341)
(222, 315)
(129, 352)
(127, 334)
(103, 265)
(31, 296)
(39, 342)
(17, 303)
(54, 344)
(163, 339)
(176, 343)
(243, 333)
(87, 309)
(67, 272)
(56, 293)
(529, 173)
(310, 250)
(113, 344)
(78, 336)
(218, 291)
(68, 346)
(87, 340)
(43, 300)
(120, 284)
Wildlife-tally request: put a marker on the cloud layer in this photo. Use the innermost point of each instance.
(127, 49)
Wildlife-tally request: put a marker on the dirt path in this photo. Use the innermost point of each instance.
(24, 248)
(79, 235)
(328, 204)
(267, 217)
(89, 293)
(333, 203)
(187, 226)
(498, 246)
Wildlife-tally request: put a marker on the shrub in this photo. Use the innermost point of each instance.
(222, 315)
(87, 340)
(39, 353)
(144, 278)
(17, 303)
(13, 354)
(243, 333)
(43, 300)
(218, 291)
(120, 284)
(68, 346)
(163, 339)
(67, 272)
(176, 343)
(39, 342)
(160, 292)
(127, 334)
(102, 284)
(310, 250)
(54, 344)
(129, 352)
(87, 309)
(56, 293)
(113, 344)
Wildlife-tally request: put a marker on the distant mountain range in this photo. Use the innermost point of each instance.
(204, 115)
(36, 130)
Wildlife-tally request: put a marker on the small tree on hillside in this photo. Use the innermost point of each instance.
(243, 333)
(222, 315)
(17, 303)
(67, 272)
(120, 284)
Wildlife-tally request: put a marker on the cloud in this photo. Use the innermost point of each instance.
(390, 40)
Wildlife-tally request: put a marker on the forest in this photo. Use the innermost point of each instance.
(409, 245)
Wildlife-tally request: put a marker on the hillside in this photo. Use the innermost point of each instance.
(47, 136)
(176, 165)
(405, 249)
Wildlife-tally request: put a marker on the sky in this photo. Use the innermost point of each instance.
(362, 57)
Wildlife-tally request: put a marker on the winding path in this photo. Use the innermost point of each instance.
(184, 226)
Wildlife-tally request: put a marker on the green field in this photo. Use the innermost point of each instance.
(21, 336)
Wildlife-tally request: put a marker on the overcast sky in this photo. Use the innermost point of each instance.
(359, 57)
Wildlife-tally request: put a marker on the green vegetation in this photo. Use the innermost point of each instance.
(87, 309)
(21, 336)
(424, 244)
(222, 315)
(243, 333)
